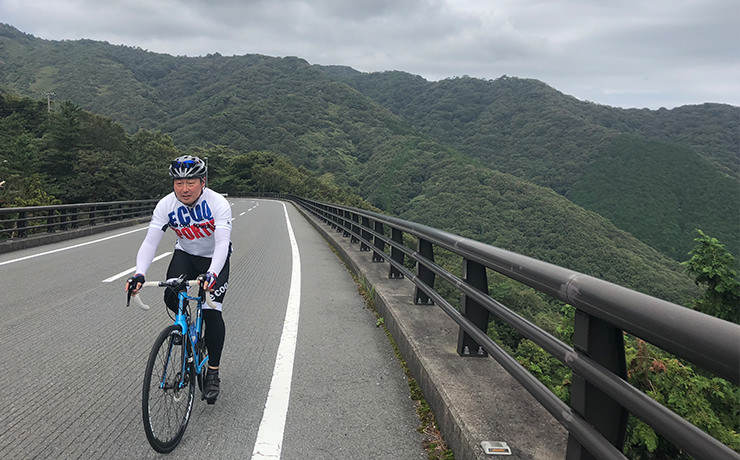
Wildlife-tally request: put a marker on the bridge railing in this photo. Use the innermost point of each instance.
(33, 220)
(601, 398)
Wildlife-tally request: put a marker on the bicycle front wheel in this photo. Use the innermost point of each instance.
(168, 390)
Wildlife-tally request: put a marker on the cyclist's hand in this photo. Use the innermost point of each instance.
(208, 281)
(133, 284)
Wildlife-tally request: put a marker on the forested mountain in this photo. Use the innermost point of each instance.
(398, 140)
(657, 174)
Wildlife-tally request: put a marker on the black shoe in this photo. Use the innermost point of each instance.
(212, 386)
(176, 339)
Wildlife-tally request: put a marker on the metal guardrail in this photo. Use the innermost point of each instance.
(35, 220)
(601, 398)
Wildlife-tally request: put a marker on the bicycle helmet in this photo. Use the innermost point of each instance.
(187, 166)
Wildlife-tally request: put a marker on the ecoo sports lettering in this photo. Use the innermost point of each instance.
(192, 222)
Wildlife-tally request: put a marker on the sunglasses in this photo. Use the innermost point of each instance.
(185, 163)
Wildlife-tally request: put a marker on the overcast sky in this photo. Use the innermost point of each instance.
(624, 53)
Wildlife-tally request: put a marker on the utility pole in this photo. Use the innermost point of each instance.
(48, 95)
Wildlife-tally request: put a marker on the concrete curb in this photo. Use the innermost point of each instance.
(473, 399)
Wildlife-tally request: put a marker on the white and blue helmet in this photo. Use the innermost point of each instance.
(187, 166)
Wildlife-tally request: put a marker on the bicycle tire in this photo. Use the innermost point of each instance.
(166, 404)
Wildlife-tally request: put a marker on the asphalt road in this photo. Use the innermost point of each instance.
(74, 355)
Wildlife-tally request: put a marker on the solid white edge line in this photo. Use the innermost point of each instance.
(272, 427)
(70, 247)
(132, 269)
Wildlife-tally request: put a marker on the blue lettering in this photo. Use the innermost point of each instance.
(206, 211)
(173, 222)
(182, 214)
(196, 213)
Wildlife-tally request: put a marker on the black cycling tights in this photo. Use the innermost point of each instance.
(215, 335)
(192, 266)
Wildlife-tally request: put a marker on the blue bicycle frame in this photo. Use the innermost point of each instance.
(192, 330)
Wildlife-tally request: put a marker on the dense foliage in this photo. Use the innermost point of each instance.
(70, 155)
(597, 156)
(711, 266)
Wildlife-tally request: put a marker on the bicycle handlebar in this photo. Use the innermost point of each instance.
(137, 298)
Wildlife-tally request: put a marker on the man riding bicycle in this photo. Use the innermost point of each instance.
(201, 218)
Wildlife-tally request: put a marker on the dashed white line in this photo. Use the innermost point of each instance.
(70, 247)
(132, 269)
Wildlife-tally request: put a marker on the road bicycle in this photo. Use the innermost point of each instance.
(178, 359)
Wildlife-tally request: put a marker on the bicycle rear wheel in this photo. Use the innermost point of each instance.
(168, 390)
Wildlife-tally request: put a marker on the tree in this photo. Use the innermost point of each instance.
(711, 266)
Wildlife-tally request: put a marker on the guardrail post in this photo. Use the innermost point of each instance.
(22, 222)
(63, 219)
(424, 273)
(603, 343)
(337, 218)
(365, 234)
(396, 254)
(50, 221)
(329, 216)
(345, 223)
(75, 217)
(355, 228)
(475, 275)
(379, 243)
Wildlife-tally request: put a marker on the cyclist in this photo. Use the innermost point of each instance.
(201, 218)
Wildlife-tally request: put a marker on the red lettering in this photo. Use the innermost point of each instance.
(188, 234)
(178, 232)
(196, 231)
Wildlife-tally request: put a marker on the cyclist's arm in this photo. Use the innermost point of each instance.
(148, 248)
(222, 236)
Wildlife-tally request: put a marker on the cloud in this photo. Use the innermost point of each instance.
(630, 53)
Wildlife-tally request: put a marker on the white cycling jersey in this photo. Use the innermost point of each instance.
(203, 229)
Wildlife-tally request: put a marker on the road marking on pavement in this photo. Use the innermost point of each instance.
(133, 269)
(70, 247)
(270, 435)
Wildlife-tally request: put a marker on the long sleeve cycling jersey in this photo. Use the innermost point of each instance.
(203, 229)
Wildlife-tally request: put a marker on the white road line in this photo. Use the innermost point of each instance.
(70, 247)
(270, 435)
(132, 269)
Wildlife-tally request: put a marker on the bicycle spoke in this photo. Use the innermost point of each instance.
(167, 393)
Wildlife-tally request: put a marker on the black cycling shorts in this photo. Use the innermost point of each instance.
(191, 266)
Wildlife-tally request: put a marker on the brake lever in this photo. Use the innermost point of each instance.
(130, 289)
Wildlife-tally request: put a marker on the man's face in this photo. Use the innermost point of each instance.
(188, 190)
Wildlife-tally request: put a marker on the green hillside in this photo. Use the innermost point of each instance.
(284, 105)
(661, 193)
(683, 174)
